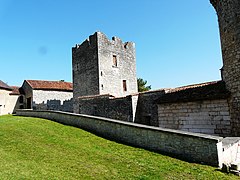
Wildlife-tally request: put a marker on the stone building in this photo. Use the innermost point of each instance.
(10, 98)
(102, 66)
(48, 95)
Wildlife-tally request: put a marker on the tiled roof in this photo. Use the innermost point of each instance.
(192, 86)
(4, 86)
(50, 85)
(15, 91)
(195, 92)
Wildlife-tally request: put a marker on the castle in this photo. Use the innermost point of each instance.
(104, 84)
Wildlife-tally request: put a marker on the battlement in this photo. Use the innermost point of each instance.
(91, 41)
(115, 41)
(99, 37)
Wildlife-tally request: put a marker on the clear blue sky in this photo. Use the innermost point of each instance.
(177, 42)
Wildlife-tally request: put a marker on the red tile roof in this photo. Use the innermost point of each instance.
(50, 85)
(15, 91)
(192, 86)
(4, 86)
(196, 92)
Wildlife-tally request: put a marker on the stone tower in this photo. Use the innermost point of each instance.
(228, 12)
(103, 66)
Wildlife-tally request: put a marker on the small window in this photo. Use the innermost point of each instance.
(124, 85)
(102, 86)
(115, 60)
(101, 73)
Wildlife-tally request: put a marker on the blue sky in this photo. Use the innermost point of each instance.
(177, 42)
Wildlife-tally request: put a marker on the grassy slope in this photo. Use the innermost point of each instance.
(32, 148)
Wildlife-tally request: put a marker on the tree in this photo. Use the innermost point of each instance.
(142, 85)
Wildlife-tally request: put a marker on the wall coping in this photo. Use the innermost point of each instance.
(172, 131)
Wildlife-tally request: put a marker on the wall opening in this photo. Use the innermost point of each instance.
(124, 85)
(29, 103)
(115, 60)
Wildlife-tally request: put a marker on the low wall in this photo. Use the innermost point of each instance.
(192, 147)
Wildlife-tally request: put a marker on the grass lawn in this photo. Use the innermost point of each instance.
(33, 148)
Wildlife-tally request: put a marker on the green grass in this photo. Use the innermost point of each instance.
(33, 148)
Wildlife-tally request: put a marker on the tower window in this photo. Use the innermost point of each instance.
(102, 86)
(115, 60)
(124, 85)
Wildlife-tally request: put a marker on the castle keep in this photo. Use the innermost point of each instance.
(102, 66)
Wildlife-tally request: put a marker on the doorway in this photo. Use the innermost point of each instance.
(29, 103)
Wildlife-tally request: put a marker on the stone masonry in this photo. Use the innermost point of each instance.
(147, 109)
(103, 66)
(228, 12)
(208, 116)
(107, 106)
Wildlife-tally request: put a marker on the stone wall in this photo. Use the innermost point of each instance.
(207, 116)
(107, 106)
(147, 110)
(67, 105)
(138, 108)
(85, 69)
(184, 145)
(201, 108)
(229, 22)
